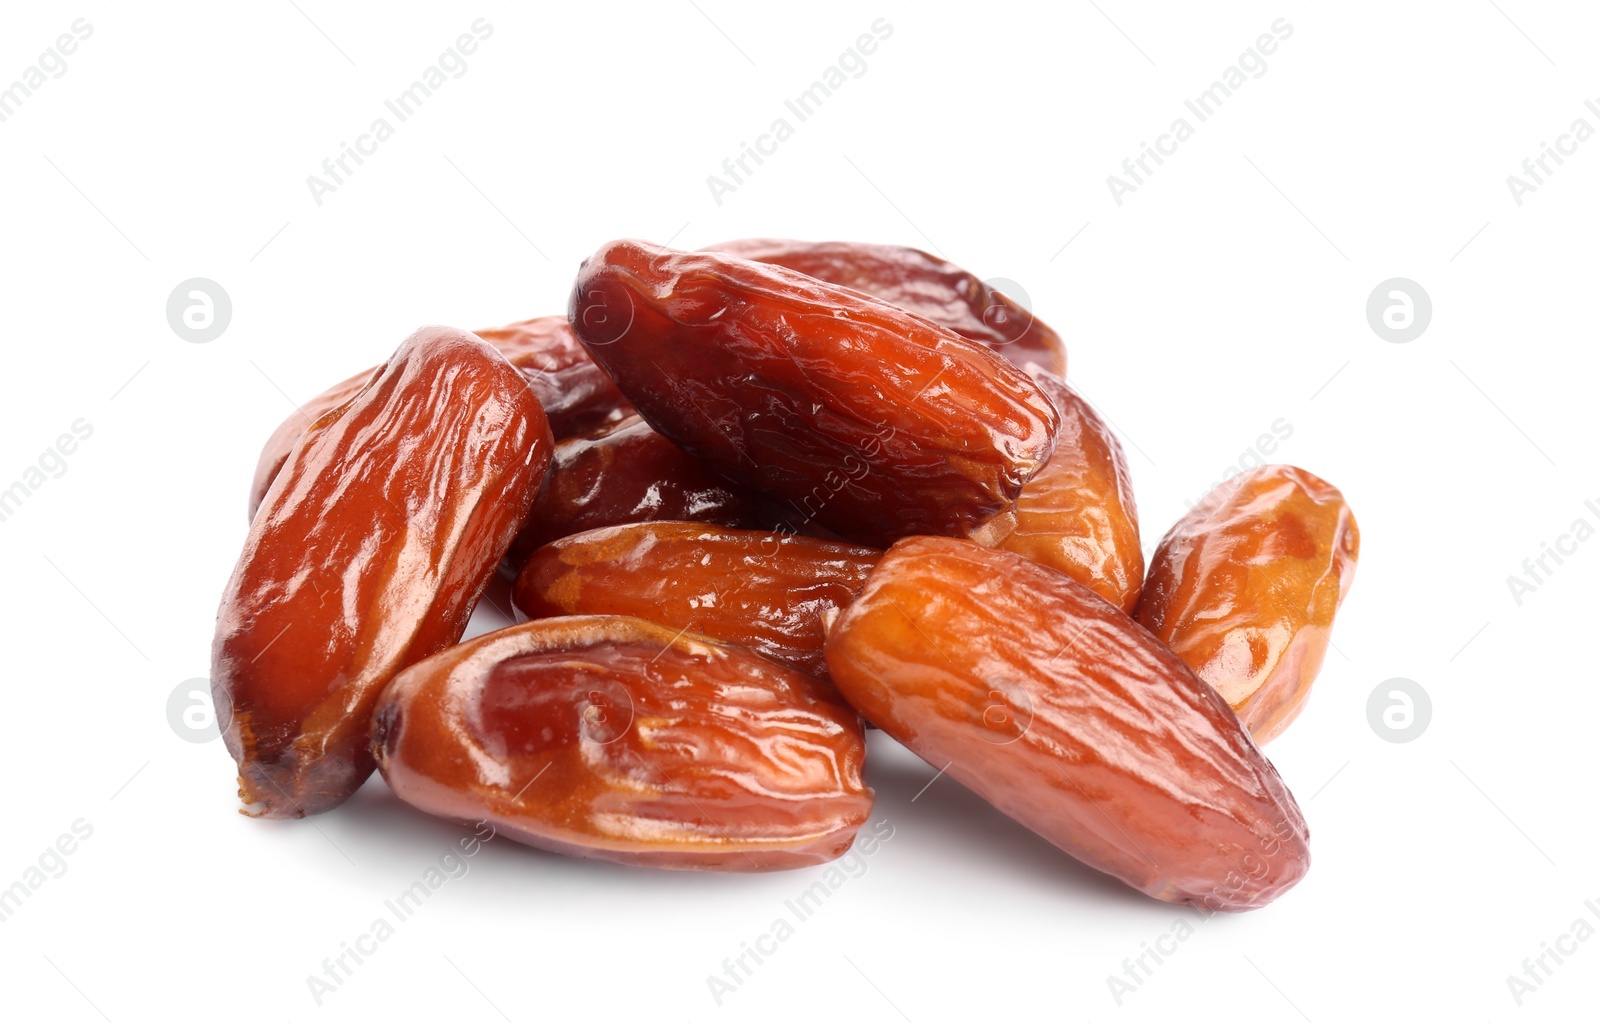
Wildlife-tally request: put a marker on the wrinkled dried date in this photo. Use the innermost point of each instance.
(762, 590)
(302, 420)
(631, 473)
(877, 422)
(1244, 588)
(930, 287)
(576, 394)
(619, 739)
(367, 554)
(1078, 515)
(1061, 711)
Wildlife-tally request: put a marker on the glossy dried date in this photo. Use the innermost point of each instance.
(302, 420)
(577, 396)
(631, 473)
(1061, 711)
(368, 553)
(762, 590)
(1244, 588)
(618, 739)
(877, 422)
(926, 285)
(1078, 515)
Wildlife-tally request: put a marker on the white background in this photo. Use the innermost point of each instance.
(1226, 293)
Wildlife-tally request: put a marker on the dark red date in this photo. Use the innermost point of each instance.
(876, 421)
(631, 473)
(926, 285)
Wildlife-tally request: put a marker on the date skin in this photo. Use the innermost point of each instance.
(762, 590)
(1061, 711)
(367, 555)
(577, 396)
(283, 440)
(631, 473)
(618, 739)
(875, 421)
(1244, 588)
(932, 288)
(1078, 514)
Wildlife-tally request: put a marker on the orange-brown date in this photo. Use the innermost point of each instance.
(631, 473)
(1061, 711)
(576, 394)
(933, 288)
(1078, 514)
(283, 440)
(619, 739)
(766, 591)
(875, 421)
(367, 554)
(1245, 586)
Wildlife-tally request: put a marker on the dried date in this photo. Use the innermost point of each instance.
(576, 394)
(618, 739)
(1078, 514)
(631, 473)
(1060, 710)
(926, 285)
(876, 421)
(301, 421)
(766, 591)
(1244, 588)
(367, 554)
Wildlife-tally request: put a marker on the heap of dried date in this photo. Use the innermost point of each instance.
(752, 498)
